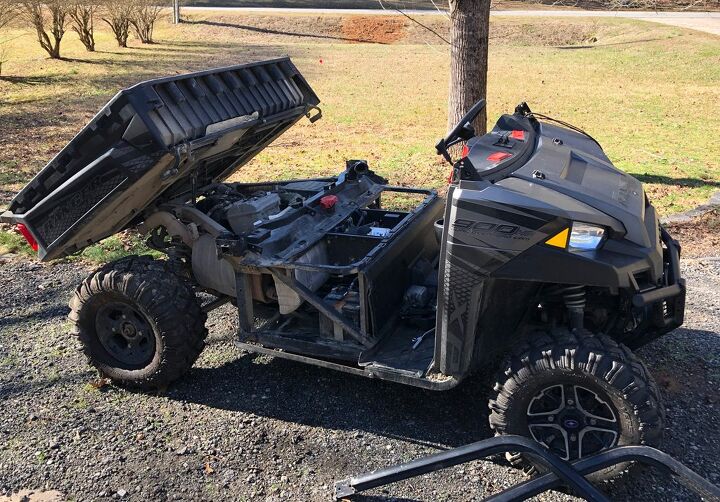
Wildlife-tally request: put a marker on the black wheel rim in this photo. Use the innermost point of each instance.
(125, 334)
(572, 421)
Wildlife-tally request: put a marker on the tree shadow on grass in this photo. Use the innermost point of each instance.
(269, 31)
(612, 44)
(99, 61)
(659, 179)
(36, 79)
(114, 53)
(192, 57)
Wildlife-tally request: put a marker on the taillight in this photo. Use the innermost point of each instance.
(465, 151)
(28, 236)
(517, 134)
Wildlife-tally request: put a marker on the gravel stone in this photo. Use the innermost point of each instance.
(314, 427)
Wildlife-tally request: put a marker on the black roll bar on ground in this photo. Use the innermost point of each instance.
(468, 453)
(640, 454)
(561, 472)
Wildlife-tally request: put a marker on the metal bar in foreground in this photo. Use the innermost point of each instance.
(468, 453)
(562, 472)
(641, 454)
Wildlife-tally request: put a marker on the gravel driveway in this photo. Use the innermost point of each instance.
(240, 426)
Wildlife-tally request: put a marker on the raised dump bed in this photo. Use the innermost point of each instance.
(159, 139)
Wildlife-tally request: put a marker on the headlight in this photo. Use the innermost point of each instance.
(585, 236)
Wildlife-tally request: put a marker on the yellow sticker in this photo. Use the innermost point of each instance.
(559, 240)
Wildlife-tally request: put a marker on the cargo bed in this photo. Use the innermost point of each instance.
(157, 140)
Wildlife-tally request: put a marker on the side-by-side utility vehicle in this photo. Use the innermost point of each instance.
(544, 262)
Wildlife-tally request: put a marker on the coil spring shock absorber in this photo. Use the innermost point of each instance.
(574, 298)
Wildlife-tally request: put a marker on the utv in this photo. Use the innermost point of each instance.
(544, 256)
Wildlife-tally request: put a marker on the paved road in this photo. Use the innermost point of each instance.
(708, 22)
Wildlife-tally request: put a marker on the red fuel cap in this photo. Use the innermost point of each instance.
(329, 201)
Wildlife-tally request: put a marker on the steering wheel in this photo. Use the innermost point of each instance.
(463, 131)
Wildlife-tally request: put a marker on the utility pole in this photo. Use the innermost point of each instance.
(176, 12)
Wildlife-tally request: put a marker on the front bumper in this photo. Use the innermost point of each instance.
(667, 303)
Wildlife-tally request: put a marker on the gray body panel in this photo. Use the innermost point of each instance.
(497, 220)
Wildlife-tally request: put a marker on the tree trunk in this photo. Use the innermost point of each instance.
(469, 26)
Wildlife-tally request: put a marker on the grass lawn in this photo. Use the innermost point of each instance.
(648, 93)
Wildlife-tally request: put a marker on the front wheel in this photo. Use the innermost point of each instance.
(139, 322)
(576, 394)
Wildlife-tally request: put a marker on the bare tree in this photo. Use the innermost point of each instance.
(82, 15)
(9, 10)
(469, 26)
(117, 15)
(144, 15)
(49, 20)
(4, 55)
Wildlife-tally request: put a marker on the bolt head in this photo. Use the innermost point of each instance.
(551, 418)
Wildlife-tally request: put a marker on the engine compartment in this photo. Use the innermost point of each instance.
(236, 209)
(280, 243)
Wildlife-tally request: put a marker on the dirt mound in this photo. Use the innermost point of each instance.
(545, 33)
(700, 236)
(376, 29)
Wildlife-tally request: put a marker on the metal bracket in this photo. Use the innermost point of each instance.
(316, 117)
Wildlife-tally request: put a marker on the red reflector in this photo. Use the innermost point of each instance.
(518, 135)
(498, 156)
(329, 201)
(465, 151)
(28, 236)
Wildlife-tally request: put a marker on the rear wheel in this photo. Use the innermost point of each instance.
(576, 394)
(139, 323)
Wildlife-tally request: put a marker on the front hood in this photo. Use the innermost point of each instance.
(574, 165)
(565, 161)
(157, 140)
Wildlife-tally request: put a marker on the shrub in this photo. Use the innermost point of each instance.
(49, 20)
(117, 15)
(143, 17)
(82, 16)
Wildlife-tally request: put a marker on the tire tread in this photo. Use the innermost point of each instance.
(169, 300)
(579, 350)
